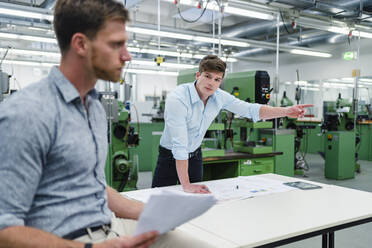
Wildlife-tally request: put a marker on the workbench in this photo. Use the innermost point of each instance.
(280, 218)
(235, 164)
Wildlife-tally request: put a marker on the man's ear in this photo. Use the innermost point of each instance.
(79, 43)
(197, 75)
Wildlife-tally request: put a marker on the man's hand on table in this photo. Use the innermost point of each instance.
(196, 188)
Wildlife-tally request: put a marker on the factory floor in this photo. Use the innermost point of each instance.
(354, 237)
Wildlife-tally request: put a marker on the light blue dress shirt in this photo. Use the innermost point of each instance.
(52, 158)
(187, 120)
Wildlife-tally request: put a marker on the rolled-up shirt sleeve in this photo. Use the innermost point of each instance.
(20, 163)
(237, 106)
(175, 115)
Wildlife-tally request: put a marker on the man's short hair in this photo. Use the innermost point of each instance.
(84, 16)
(212, 63)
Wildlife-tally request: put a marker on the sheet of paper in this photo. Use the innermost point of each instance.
(224, 189)
(169, 209)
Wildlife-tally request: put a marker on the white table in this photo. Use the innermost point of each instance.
(282, 218)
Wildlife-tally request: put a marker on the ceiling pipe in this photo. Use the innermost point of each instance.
(320, 39)
(48, 4)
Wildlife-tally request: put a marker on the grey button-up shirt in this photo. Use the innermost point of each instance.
(52, 158)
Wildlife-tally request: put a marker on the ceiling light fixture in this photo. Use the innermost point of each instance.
(164, 64)
(58, 55)
(362, 34)
(8, 10)
(311, 53)
(346, 30)
(365, 80)
(174, 54)
(31, 52)
(189, 37)
(27, 37)
(248, 13)
(29, 63)
(310, 89)
(47, 64)
(152, 72)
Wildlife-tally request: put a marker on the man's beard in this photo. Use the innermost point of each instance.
(105, 75)
(101, 73)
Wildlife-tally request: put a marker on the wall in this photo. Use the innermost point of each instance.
(23, 76)
(150, 85)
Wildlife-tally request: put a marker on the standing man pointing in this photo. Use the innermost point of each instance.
(189, 111)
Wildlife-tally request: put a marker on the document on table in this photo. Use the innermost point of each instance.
(224, 189)
(244, 187)
(169, 209)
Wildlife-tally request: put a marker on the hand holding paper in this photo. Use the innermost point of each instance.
(167, 210)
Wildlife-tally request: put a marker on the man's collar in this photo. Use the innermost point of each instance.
(65, 87)
(194, 93)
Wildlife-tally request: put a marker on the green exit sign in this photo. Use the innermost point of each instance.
(349, 55)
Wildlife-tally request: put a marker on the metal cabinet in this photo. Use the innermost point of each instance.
(256, 166)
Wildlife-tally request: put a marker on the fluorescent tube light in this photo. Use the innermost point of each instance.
(188, 37)
(28, 14)
(310, 89)
(248, 13)
(345, 30)
(223, 41)
(366, 80)
(334, 80)
(44, 64)
(347, 80)
(153, 72)
(159, 33)
(311, 53)
(164, 64)
(339, 30)
(301, 83)
(27, 37)
(174, 54)
(338, 85)
(28, 63)
(31, 52)
(362, 34)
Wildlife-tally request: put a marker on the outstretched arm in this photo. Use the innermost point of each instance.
(297, 111)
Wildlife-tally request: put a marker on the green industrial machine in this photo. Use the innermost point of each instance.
(340, 155)
(364, 148)
(339, 117)
(212, 144)
(249, 137)
(285, 101)
(186, 76)
(341, 139)
(121, 170)
(283, 140)
(147, 150)
(253, 87)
